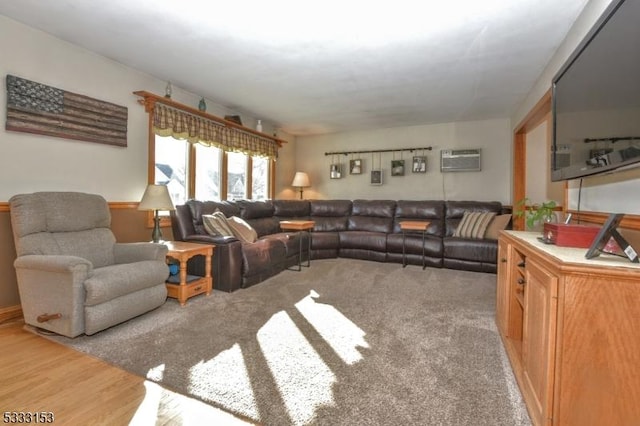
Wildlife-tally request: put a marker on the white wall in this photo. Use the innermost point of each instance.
(38, 163)
(490, 184)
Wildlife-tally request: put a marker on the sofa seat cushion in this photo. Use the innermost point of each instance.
(471, 249)
(261, 256)
(291, 241)
(113, 281)
(363, 240)
(413, 244)
(264, 225)
(325, 240)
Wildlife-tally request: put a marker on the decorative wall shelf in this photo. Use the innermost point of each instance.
(150, 99)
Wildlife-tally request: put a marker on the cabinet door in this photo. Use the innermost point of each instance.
(539, 341)
(502, 288)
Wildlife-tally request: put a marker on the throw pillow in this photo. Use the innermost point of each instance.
(498, 223)
(242, 230)
(473, 224)
(216, 225)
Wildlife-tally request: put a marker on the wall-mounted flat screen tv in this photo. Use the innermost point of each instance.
(596, 98)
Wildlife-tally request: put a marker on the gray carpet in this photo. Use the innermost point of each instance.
(345, 342)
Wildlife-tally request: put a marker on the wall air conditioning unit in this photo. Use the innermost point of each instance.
(563, 156)
(460, 160)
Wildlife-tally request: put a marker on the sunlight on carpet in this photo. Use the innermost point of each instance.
(225, 380)
(339, 332)
(303, 379)
(152, 410)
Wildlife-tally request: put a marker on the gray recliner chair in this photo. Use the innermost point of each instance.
(73, 277)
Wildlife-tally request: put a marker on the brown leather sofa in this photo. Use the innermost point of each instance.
(361, 229)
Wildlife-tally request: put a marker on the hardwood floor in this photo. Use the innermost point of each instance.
(38, 375)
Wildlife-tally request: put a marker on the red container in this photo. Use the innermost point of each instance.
(562, 235)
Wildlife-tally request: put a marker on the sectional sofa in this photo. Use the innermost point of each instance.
(361, 229)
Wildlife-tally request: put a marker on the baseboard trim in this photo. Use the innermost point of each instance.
(10, 313)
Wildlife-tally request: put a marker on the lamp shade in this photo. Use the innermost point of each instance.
(156, 197)
(301, 180)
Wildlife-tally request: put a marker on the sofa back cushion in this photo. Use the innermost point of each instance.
(255, 209)
(330, 215)
(455, 211)
(291, 209)
(372, 215)
(198, 208)
(63, 223)
(429, 211)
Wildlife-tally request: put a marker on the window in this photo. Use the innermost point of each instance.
(236, 176)
(259, 178)
(208, 161)
(171, 167)
(196, 171)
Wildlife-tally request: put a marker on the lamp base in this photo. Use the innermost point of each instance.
(301, 193)
(156, 235)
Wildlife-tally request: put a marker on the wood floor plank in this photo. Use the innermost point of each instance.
(37, 374)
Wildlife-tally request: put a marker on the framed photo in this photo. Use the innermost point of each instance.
(419, 165)
(335, 171)
(397, 167)
(355, 166)
(376, 177)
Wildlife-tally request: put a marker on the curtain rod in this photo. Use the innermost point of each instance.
(377, 150)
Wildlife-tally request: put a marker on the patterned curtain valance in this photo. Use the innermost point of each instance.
(179, 124)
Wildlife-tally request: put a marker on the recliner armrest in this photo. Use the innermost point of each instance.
(209, 239)
(51, 263)
(136, 252)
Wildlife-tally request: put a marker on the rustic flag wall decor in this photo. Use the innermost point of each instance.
(37, 108)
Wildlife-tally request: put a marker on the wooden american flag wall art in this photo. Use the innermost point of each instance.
(37, 108)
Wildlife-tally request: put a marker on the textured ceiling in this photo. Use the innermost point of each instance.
(325, 66)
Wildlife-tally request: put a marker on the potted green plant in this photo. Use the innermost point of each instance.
(535, 214)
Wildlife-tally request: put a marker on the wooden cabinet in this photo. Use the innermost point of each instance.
(538, 338)
(571, 329)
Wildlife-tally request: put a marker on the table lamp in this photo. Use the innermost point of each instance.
(156, 198)
(301, 180)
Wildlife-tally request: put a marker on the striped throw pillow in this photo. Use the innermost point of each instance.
(474, 224)
(216, 225)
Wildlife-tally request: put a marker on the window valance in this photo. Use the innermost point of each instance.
(171, 119)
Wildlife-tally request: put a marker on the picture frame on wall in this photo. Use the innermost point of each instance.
(355, 166)
(397, 167)
(376, 177)
(419, 164)
(335, 171)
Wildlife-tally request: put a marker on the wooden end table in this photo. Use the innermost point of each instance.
(413, 226)
(300, 225)
(189, 285)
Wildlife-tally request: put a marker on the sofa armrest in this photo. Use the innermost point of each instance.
(53, 286)
(209, 239)
(58, 264)
(136, 252)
